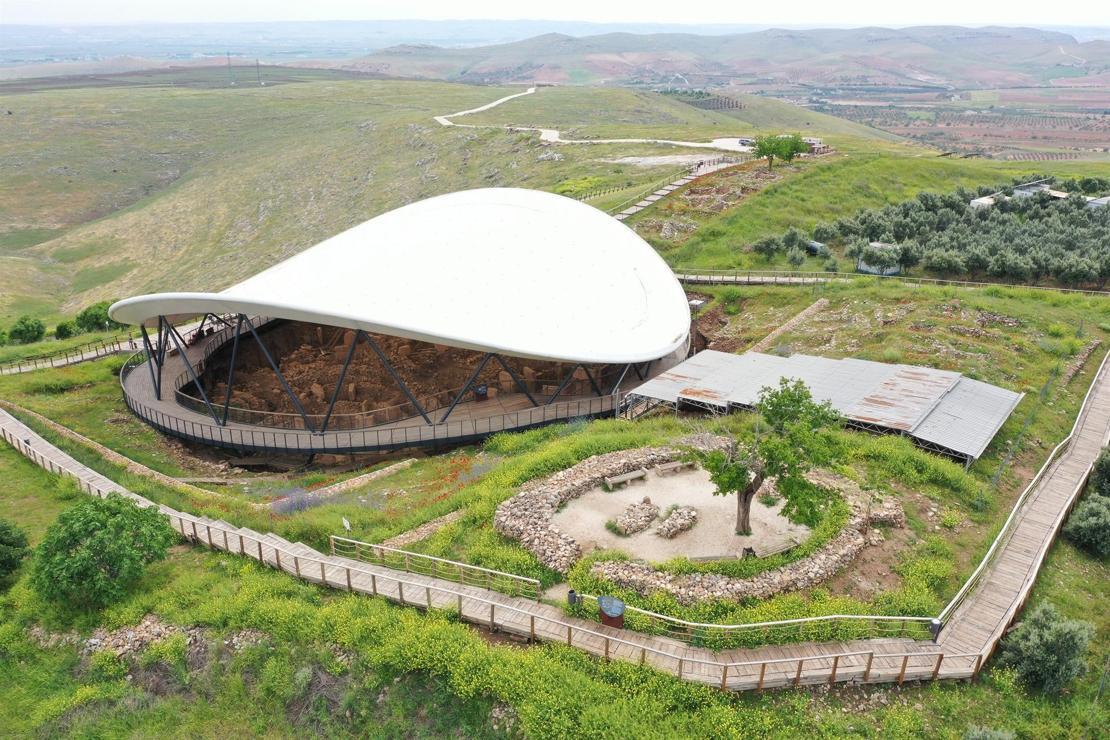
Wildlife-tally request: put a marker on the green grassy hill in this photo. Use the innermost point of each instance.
(603, 112)
(111, 191)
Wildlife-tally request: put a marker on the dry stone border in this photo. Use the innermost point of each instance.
(526, 517)
(801, 574)
(679, 520)
(637, 517)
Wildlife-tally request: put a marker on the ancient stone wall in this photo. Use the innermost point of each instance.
(527, 515)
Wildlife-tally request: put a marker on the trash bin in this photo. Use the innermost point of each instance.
(481, 392)
(611, 611)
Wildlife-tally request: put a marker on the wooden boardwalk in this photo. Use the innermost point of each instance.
(967, 640)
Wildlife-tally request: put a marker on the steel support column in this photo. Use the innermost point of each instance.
(617, 385)
(563, 385)
(339, 383)
(193, 374)
(151, 361)
(593, 383)
(393, 373)
(281, 378)
(516, 379)
(231, 369)
(465, 388)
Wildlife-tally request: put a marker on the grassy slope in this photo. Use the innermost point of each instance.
(448, 676)
(603, 112)
(828, 188)
(135, 189)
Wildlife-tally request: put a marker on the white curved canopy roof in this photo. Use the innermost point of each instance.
(520, 272)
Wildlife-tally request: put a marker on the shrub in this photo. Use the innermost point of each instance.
(13, 548)
(96, 551)
(1089, 525)
(95, 318)
(832, 266)
(65, 330)
(1047, 649)
(26, 330)
(1100, 475)
(105, 665)
(3, 338)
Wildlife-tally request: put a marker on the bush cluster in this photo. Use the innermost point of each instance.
(1047, 649)
(96, 551)
(1017, 240)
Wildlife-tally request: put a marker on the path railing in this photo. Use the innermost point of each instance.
(533, 621)
(702, 276)
(1011, 521)
(72, 355)
(805, 629)
(427, 565)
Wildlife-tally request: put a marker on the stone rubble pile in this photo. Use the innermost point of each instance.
(637, 517)
(526, 517)
(801, 574)
(679, 520)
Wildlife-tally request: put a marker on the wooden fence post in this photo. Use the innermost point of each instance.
(323, 574)
(724, 676)
(832, 675)
(348, 579)
(492, 624)
(762, 673)
(867, 670)
(401, 591)
(373, 584)
(798, 674)
(277, 558)
(902, 672)
(936, 668)
(532, 627)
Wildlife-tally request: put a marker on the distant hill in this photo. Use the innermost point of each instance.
(931, 56)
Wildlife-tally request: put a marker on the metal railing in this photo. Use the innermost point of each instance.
(1011, 521)
(832, 627)
(393, 437)
(703, 276)
(862, 666)
(71, 356)
(428, 565)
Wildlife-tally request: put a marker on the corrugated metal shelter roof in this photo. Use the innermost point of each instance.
(941, 409)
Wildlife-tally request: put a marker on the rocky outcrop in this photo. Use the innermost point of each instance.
(677, 522)
(526, 517)
(637, 517)
(801, 574)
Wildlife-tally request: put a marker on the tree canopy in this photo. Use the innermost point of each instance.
(785, 147)
(786, 450)
(96, 551)
(1024, 239)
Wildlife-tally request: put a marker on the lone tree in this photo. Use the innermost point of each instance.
(786, 451)
(784, 147)
(97, 550)
(95, 318)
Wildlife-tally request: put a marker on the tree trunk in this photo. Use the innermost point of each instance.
(744, 505)
(770, 163)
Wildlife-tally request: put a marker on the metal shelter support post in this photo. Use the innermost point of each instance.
(469, 382)
(231, 369)
(617, 385)
(393, 373)
(281, 378)
(563, 385)
(193, 374)
(339, 383)
(152, 360)
(593, 383)
(516, 379)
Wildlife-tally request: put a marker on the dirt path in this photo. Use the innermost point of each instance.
(553, 136)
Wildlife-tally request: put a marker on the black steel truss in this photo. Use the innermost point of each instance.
(167, 333)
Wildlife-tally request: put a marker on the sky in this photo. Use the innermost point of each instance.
(800, 13)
